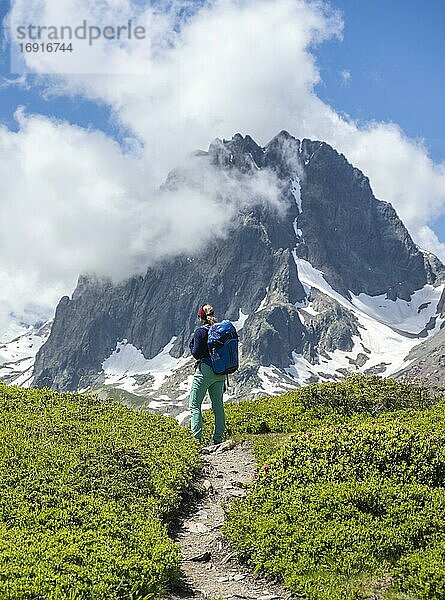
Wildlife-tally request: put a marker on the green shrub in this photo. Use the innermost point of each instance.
(86, 490)
(320, 537)
(353, 506)
(423, 572)
(308, 406)
(365, 450)
(317, 405)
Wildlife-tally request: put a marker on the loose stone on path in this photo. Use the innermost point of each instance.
(209, 566)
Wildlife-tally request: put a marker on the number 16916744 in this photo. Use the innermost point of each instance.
(45, 47)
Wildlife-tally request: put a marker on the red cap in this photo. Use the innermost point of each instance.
(201, 313)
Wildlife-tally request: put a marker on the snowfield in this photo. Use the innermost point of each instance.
(18, 348)
(388, 329)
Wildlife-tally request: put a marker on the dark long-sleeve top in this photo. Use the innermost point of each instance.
(198, 345)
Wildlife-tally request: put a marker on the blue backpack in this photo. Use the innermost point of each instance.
(223, 348)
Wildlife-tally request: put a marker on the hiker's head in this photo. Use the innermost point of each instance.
(206, 314)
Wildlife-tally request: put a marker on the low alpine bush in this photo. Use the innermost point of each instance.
(353, 505)
(87, 488)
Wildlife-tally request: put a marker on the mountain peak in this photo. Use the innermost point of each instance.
(241, 152)
(332, 282)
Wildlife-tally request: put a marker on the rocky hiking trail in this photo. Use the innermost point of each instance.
(209, 566)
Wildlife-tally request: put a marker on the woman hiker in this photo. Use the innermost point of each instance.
(205, 379)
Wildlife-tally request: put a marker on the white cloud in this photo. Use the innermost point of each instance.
(231, 66)
(19, 82)
(345, 76)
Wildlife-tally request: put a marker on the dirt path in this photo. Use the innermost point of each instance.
(209, 567)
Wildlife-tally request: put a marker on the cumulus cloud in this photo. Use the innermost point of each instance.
(210, 69)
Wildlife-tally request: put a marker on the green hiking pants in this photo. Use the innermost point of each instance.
(206, 380)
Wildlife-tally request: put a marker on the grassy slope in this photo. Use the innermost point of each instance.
(87, 488)
(349, 499)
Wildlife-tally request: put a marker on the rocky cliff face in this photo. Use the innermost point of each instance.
(314, 283)
(357, 241)
(427, 360)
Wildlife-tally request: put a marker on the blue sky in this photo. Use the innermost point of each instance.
(395, 53)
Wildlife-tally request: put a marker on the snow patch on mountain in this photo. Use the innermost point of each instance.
(388, 329)
(308, 311)
(239, 324)
(185, 387)
(19, 345)
(296, 192)
(301, 370)
(263, 302)
(183, 417)
(121, 367)
(409, 316)
(272, 381)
